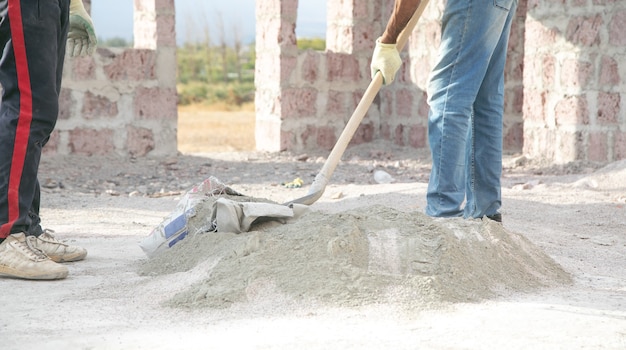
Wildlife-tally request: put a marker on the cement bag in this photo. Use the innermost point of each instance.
(213, 207)
(177, 225)
(237, 217)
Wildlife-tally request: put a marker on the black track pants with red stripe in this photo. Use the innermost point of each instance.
(33, 34)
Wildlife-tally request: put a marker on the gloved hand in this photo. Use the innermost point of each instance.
(81, 38)
(385, 59)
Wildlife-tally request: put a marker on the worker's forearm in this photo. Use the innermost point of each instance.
(402, 13)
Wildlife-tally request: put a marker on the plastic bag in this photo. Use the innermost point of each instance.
(177, 226)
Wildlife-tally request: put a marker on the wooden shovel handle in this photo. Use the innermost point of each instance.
(322, 178)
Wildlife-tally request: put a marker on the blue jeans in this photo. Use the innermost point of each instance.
(466, 98)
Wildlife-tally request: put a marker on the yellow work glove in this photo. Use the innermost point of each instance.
(385, 59)
(81, 38)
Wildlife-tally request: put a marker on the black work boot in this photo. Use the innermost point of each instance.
(497, 217)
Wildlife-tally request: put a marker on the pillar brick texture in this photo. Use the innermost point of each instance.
(123, 101)
(575, 64)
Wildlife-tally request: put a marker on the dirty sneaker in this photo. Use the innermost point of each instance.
(21, 259)
(57, 250)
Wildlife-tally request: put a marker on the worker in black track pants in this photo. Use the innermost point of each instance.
(35, 36)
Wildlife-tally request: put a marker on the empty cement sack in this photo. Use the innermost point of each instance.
(214, 207)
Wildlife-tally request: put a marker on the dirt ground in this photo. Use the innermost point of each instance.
(201, 129)
(574, 213)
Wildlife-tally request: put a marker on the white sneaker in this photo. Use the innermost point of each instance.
(20, 258)
(57, 250)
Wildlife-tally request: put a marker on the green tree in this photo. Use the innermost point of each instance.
(114, 42)
(316, 44)
(215, 73)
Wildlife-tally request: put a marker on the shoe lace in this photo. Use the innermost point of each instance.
(34, 252)
(48, 234)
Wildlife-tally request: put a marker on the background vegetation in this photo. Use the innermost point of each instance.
(212, 74)
(217, 74)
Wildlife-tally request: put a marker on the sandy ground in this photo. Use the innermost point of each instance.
(575, 215)
(201, 129)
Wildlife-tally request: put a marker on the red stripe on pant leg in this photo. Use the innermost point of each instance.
(25, 117)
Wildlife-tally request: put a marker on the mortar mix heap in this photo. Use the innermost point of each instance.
(363, 256)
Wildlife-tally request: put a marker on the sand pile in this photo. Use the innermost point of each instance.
(609, 178)
(363, 256)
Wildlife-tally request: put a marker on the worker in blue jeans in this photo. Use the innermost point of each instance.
(466, 99)
(34, 36)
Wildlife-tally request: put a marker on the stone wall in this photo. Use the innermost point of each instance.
(304, 98)
(563, 79)
(563, 95)
(123, 101)
(575, 62)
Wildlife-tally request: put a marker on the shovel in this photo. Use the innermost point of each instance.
(321, 179)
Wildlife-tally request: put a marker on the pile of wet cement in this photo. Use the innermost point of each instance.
(371, 255)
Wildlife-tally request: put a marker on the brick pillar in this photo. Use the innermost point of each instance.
(353, 25)
(572, 85)
(154, 29)
(276, 56)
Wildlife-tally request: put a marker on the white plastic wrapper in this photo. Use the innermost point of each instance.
(177, 226)
(209, 207)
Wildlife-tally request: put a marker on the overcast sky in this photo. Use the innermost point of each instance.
(114, 18)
